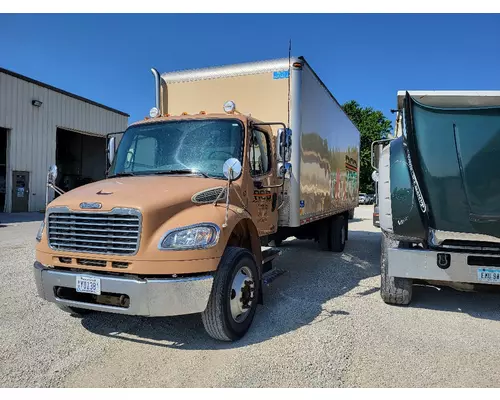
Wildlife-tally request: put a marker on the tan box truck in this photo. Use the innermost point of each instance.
(230, 160)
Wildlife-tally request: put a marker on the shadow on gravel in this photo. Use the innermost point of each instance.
(483, 303)
(295, 299)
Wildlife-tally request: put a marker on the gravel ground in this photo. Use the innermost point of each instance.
(323, 324)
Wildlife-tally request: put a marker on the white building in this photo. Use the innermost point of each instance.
(41, 125)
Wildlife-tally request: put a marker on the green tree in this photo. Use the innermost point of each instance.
(372, 125)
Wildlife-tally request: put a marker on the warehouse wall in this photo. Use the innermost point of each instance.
(32, 130)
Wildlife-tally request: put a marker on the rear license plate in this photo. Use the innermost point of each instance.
(88, 284)
(488, 275)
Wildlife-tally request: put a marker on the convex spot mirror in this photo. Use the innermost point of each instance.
(52, 174)
(232, 169)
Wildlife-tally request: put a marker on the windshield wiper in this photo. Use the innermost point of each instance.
(182, 171)
(121, 174)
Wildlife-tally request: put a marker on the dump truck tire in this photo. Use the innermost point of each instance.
(338, 234)
(393, 290)
(236, 286)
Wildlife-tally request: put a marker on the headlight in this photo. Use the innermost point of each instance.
(40, 231)
(200, 236)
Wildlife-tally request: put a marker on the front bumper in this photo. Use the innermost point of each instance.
(423, 264)
(147, 297)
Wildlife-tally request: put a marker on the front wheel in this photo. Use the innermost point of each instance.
(393, 290)
(235, 293)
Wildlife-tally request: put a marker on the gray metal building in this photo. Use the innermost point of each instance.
(41, 125)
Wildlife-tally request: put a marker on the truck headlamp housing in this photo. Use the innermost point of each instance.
(199, 236)
(40, 231)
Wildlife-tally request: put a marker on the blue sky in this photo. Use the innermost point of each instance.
(107, 58)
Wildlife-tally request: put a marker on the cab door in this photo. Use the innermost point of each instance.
(263, 204)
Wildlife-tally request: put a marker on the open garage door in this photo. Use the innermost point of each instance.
(80, 158)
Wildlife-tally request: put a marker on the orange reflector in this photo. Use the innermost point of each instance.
(297, 65)
(184, 113)
(203, 112)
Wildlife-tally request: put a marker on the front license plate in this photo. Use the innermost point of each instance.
(88, 284)
(488, 275)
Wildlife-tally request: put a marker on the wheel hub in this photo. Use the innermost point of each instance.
(242, 294)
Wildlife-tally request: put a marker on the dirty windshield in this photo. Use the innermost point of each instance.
(201, 146)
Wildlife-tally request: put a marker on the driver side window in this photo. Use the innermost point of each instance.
(260, 153)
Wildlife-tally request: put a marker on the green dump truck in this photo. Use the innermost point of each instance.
(439, 192)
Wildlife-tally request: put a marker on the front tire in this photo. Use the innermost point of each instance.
(235, 293)
(393, 290)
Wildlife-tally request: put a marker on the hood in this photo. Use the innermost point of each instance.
(145, 193)
(455, 154)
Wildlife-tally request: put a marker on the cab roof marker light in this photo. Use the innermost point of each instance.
(154, 112)
(229, 107)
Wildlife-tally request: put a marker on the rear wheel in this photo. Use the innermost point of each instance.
(235, 293)
(324, 235)
(393, 290)
(338, 234)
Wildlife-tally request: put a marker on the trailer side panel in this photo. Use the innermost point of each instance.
(329, 167)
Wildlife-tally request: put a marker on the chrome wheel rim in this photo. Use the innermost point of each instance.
(242, 294)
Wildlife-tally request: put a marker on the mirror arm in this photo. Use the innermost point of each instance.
(56, 189)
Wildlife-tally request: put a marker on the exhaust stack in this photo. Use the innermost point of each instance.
(158, 91)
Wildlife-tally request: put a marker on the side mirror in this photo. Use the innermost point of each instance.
(52, 174)
(232, 169)
(111, 150)
(376, 151)
(284, 144)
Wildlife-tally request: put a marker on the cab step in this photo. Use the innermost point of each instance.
(269, 254)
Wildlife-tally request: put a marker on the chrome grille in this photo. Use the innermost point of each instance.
(116, 232)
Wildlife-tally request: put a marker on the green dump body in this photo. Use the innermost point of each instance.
(455, 156)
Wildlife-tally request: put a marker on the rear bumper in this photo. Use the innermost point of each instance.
(422, 264)
(147, 297)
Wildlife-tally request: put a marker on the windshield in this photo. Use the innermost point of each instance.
(179, 146)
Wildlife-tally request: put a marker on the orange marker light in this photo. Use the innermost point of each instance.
(203, 112)
(184, 113)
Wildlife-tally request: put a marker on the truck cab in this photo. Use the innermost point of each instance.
(176, 206)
